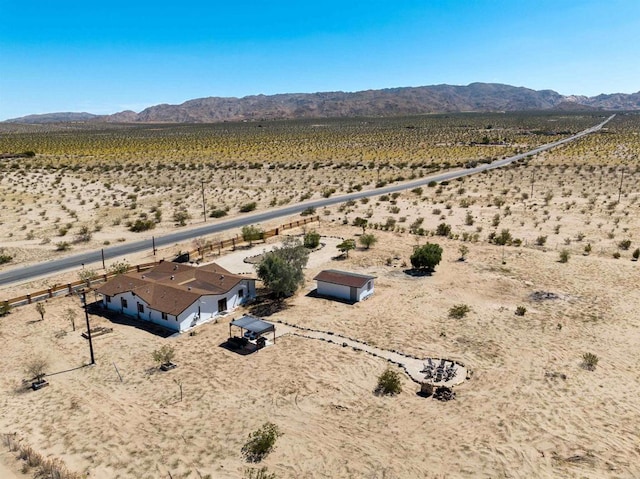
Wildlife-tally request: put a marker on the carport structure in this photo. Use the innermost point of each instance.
(253, 324)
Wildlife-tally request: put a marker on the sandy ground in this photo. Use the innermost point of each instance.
(530, 409)
(517, 417)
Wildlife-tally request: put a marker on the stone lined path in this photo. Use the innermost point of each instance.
(411, 365)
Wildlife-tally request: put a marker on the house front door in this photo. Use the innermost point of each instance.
(222, 305)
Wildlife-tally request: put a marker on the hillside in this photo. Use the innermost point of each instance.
(476, 97)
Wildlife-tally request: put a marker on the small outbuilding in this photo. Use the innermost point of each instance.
(344, 285)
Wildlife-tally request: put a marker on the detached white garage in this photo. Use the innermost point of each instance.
(344, 285)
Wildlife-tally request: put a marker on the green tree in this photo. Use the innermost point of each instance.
(252, 233)
(261, 442)
(426, 257)
(346, 246)
(281, 269)
(368, 240)
(311, 239)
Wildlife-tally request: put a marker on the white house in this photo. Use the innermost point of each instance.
(175, 295)
(343, 285)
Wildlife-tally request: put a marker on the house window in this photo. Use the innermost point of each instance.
(123, 302)
(107, 299)
(140, 308)
(164, 316)
(241, 293)
(369, 286)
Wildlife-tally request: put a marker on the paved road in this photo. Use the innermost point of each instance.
(27, 273)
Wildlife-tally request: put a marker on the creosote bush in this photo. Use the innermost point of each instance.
(459, 311)
(261, 442)
(564, 256)
(520, 310)
(389, 383)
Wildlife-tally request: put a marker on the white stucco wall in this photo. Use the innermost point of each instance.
(208, 305)
(365, 292)
(334, 290)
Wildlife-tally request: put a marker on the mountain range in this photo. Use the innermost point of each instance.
(476, 97)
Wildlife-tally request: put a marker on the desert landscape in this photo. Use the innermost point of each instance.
(553, 238)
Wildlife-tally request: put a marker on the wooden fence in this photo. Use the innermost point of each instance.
(70, 288)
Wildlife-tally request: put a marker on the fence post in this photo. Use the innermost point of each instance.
(50, 291)
(28, 299)
(69, 288)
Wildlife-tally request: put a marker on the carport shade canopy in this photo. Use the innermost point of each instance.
(255, 325)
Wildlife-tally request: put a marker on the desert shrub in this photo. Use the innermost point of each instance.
(541, 240)
(616, 255)
(458, 311)
(311, 239)
(308, 211)
(636, 254)
(5, 258)
(468, 219)
(119, 267)
(464, 251)
(252, 233)
(361, 223)
(142, 225)
(5, 308)
(624, 244)
(589, 361)
(520, 310)
(217, 213)
(262, 473)
(432, 184)
(180, 217)
(443, 229)
(261, 442)
(504, 238)
(587, 248)
(368, 240)
(247, 207)
(164, 355)
(63, 246)
(564, 255)
(389, 383)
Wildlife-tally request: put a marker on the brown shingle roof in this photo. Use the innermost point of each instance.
(173, 287)
(344, 278)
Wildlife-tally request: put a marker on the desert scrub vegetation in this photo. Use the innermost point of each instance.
(589, 361)
(389, 383)
(261, 442)
(458, 311)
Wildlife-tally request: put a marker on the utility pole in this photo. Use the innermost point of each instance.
(533, 177)
(153, 244)
(620, 189)
(103, 266)
(204, 208)
(86, 315)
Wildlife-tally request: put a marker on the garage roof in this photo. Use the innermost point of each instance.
(344, 278)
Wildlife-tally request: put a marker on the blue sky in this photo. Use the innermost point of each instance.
(104, 57)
